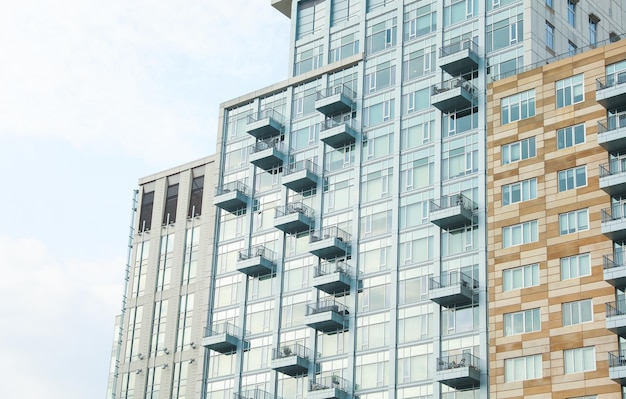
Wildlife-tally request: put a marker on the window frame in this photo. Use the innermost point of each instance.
(528, 275)
(529, 145)
(573, 217)
(529, 229)
(575, 312)
(563, 179)
(518, 107)
(508, 191)
(569, 91)
(530, 320)
(573, 354)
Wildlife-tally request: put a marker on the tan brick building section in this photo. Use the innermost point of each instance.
(552, 338)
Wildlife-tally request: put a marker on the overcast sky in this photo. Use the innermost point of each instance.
(93, 96)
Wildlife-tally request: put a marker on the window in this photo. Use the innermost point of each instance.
(570, 179)
(195, 200)
(519, 234)
(549, 36)
(518, 151)
(570, 136)
(571, 48)
(343, 10)
(169, 215)
(520, 277)
(380, 77)
(549, 3)
(518, 106)
(145, 215)
(522, 368)
(593, 31)
(571, 12)
(381, 36)
(522, 322)
(518, 192)
(416, 101)
(342, 47)
(378, 113)
(501, 33)
(310, 17)
(575, 266)
(419, 21)
(577, 312)
(570, 91)
(579, 360)
(458, 10)
(571, 222)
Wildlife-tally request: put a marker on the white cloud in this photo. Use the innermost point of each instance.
(57, 317)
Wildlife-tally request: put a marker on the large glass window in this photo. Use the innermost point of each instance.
(522, 322)
(379, 112)
(418, 169)
(171, 202)
(519, 234)
(460, 157)
(571, 12)
(195, 199)
(419, 21)
(418, 62)
(416, 101)
(342, 47)
(570, 136)
(455, 11)
(572, 222)
(417, 130)
(523, 368)
(310, 17)
(381, 36)
(575, 266)
(343, 10)
(504, 29)
(518, 192)
(380, 76)
(458, 122)
(577, 312)
(518, 151)
(570, 91)
(549, 36)
(570, 179)
(308, 57)
(518, 106)
(145, 214)
(579, 360)
(520, 277)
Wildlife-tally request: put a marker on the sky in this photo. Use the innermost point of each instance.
(93, 96)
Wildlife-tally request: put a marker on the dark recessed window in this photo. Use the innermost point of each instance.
(169, 216)
(145, 215)
(195, 201)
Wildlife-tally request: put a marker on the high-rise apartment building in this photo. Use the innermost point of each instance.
(349, 252)
(557, 226)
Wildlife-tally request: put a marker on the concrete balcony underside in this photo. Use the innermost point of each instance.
(333, 283)
(300, 180)
(329, 393)
(230, 201)
(459, 377)
(612, 97)
(223, 343)
(614, 184)
(452, 295)
(614, 229)
(256, 266)
(334, 104)
(284, 6)
(616, 276)
(295, 222)
(450, 100)
(613, 140)
(268, 158)
(291, 365)
(460, 62)
(338, 136)
(329, 248)
(616, 324)
(454, 216)
(264, 128)
(326, 321)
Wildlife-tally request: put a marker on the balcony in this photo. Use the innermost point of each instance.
(329, 243)
(265, 124)
(611, 91)
(613, 176)
(459, 371)
(232, 196)
(335, 100)
(452, 211)
(459, 58)
(329, 387)
(612, 133)
(294, 217)
(615, 269)
(326, 316)
(301, 176)
(616, 317)
(617, 367)
(268, 154)
(224, 338)
(453, 94)
(334, 277)
(614, 223)
(338, 134)
(452, 289)
(255, 394)
(258, 261)
(292, 360)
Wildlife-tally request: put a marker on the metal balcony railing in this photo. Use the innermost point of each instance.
(262, 145)
(294, 207)
(257, 250)
(331, 123)
(617, 308)
(254, 394)
(615, 212)
(613, 167)
(266, 113)
(458, 361)
(298, 166)
(331, 232)
(455, 47)
(223, 327)
(616, 260)
(232, 186)
(325, 305)
(291, 349)
(453, 84)
(617, 359)
(452, 278)
(327, 267)
(611, 80)
(330, 381)
(339, 89)
(449, 201)
(611, 123)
